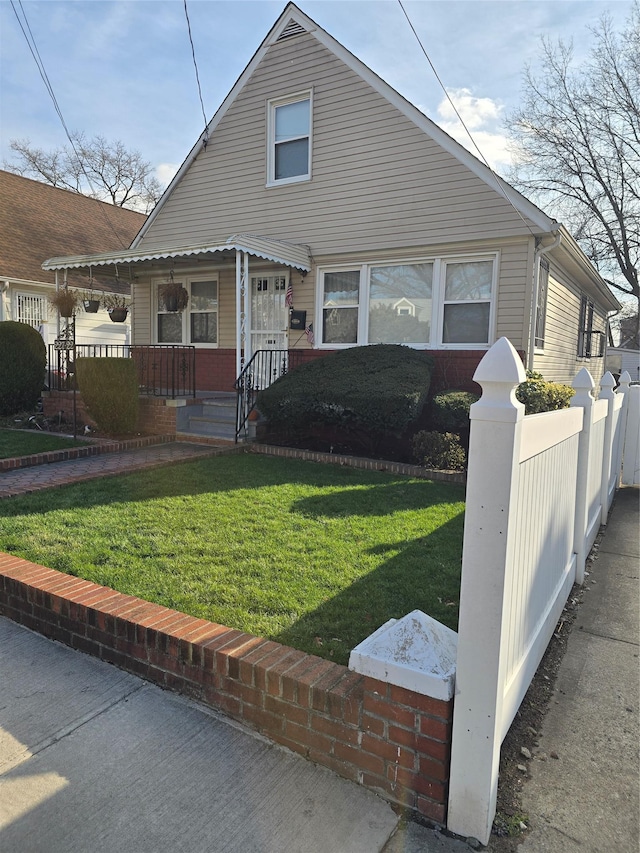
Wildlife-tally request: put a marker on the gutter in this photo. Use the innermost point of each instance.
(534, 298)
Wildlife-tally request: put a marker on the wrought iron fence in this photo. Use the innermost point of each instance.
(264, 368)
(164, 370)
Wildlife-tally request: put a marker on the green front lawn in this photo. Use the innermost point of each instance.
(22, 442)
(313, 556)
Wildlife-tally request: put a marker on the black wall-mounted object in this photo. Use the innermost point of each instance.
(298, 320)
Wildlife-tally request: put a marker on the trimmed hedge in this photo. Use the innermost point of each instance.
(23, 361)
(109, 388)
(449, 410)
(538, 395)
(441, 451)
(377, 389)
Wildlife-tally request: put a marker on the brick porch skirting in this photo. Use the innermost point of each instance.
(391, 740)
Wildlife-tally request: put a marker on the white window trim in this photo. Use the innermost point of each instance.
(437, 300)
(185, 281)
(271, 142)
(439, 275)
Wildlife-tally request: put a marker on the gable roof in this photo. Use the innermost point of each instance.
(38, 221)
(293, 22)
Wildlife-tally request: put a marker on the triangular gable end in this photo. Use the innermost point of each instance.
(293, 22)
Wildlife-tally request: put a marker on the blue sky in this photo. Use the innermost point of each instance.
(123, 68)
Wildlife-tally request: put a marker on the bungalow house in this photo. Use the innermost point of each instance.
(321, 210)
(37, 221)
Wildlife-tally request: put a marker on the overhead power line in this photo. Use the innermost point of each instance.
(35, 53)
(498, 181)
(195, 65)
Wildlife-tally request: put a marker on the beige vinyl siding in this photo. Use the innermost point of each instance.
(558, 362)
(378, 181)
(515, 284)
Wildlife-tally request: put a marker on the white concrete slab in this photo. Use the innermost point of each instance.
(99, 760)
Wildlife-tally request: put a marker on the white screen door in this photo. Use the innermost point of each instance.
(269, 320)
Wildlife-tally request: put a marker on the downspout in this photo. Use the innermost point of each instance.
(534, 299)
(611, 315)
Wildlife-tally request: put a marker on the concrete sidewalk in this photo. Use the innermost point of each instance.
(92, 758)
(588, 799)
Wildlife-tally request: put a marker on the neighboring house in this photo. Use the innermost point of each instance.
(317, 186)
(38, 221)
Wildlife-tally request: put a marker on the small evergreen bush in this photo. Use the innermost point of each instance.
(109, 388)
(450, 410)
(23, 361)
(538, 395)
(378, 390)
(439, 450)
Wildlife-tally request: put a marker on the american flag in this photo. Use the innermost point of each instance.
(288, 299)
(309, 333)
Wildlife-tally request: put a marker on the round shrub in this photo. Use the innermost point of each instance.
(109, 388)
(23, 361)
(377, 389)
(541, 396)
(450, 410)
(439, 450)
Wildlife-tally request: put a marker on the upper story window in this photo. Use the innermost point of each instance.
(289, 133)
(440, 302)
(198, 323)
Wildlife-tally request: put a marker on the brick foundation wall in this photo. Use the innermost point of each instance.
(388, 739)
(156, 415)
(55, 402)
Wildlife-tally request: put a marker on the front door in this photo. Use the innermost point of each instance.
(269, 320)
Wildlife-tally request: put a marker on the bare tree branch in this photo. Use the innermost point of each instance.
(94, 167)
(576, 139)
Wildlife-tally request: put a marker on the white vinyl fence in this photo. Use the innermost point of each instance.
(538, 489)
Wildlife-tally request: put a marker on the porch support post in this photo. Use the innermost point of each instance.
(238, 314)
(242, 278)
(245, 314)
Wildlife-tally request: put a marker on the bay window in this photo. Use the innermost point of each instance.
(444, 302)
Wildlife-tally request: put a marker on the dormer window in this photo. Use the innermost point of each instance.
(289, 154)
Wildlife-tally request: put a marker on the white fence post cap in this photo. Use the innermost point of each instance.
(608, 381)
(415, 652)
(499, 374)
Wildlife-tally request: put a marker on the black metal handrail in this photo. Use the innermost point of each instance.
(164, 370)
(264, 367)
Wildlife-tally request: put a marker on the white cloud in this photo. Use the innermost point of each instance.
(165, 172)
(483, 117)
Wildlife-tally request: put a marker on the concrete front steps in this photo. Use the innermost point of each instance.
(214, 417)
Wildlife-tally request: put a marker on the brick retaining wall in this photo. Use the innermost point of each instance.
(388, 739)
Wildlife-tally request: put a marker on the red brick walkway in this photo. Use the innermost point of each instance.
(46, 476)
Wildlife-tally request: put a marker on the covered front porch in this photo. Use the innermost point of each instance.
(233, 336)
(239, 296)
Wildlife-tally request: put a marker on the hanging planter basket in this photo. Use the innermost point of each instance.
(118, 315)
(91, 306)
(65, 301)
(173, 296)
